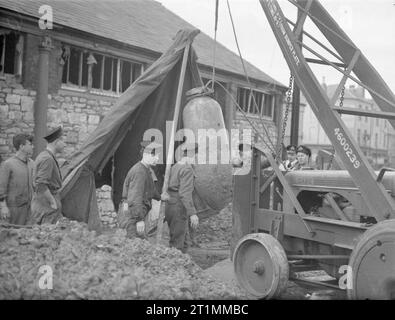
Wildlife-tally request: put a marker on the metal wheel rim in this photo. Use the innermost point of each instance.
(250, 253)
(373, 267)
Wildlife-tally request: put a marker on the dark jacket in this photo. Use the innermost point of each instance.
(182, 182)
(46, 173)
(139, 190)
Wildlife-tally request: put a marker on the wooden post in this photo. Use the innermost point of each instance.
(170, 153)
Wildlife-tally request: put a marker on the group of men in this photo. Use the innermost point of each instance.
(298, 158)
(139, 189)
(29, 189)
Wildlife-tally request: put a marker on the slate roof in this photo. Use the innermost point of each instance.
(141, 23)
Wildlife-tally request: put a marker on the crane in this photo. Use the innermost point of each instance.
(298, 216)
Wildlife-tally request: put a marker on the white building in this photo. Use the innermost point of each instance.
(374, 136)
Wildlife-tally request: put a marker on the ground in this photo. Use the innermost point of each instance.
(85, 265)
(213, 255)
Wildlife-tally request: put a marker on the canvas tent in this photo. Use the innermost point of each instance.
(112, 149)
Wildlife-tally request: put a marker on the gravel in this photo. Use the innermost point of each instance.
(216, 229)
(88, 266)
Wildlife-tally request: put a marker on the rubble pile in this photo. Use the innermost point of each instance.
(216, 229)
(87, 266)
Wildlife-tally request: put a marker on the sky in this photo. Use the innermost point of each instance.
(370, 24)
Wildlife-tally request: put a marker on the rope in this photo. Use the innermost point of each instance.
(247, 77)
(244, 114)
(215, 42)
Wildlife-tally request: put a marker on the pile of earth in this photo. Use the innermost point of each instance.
(88, 266)
(216, 229)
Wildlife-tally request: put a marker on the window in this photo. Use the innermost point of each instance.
(365, 137)
(367, 109)
(269, 106)
(264, 102)
(11, 49)
(86, 69)
(377, 122)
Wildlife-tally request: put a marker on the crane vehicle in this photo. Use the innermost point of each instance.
(340, 220)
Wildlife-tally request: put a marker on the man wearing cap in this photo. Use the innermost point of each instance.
(292, 160)
(180, 208)
(138, 191)
(304, 155)
(47, 180)
(16, 182)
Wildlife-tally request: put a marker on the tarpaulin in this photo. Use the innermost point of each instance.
(113, 147)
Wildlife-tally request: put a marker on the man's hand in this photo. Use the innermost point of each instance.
(4, 212)
(53, 204)
(140, 226)
(194, 221)
(164, 196)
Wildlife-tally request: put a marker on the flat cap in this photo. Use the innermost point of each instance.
(54, 134)
(291, 147)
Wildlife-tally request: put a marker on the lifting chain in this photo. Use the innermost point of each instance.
(333, 152)
(286, 114)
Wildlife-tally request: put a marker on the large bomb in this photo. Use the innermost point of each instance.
(203, 116)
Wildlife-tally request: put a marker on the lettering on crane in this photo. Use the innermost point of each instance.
(280, 24)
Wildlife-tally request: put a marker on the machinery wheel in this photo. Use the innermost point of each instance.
(261, 265)
(372, 264)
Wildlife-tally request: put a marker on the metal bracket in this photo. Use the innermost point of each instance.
(277, 227)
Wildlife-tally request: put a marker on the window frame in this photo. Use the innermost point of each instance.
(248, 92)
(17, 60)
(115, 60)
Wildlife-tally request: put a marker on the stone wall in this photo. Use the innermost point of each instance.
(106, 207)
(241, 123)
(78, 113)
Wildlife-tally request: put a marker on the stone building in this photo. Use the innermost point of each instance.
(66, 62)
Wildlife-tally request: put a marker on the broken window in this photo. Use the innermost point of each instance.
(94, 70)
(243, 95)
(11, 49)
(75, 69)
(262, 106)
(129, 72)
(268, 106)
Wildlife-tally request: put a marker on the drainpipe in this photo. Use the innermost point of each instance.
(41, 103)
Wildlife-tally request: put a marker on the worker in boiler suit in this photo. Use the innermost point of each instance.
(16, 182)
(138, 191)
(180, 208)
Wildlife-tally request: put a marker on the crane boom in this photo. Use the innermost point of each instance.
(380, 204)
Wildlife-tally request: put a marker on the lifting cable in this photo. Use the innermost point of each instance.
(215, 42)
(242, 112)
(271, 147)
